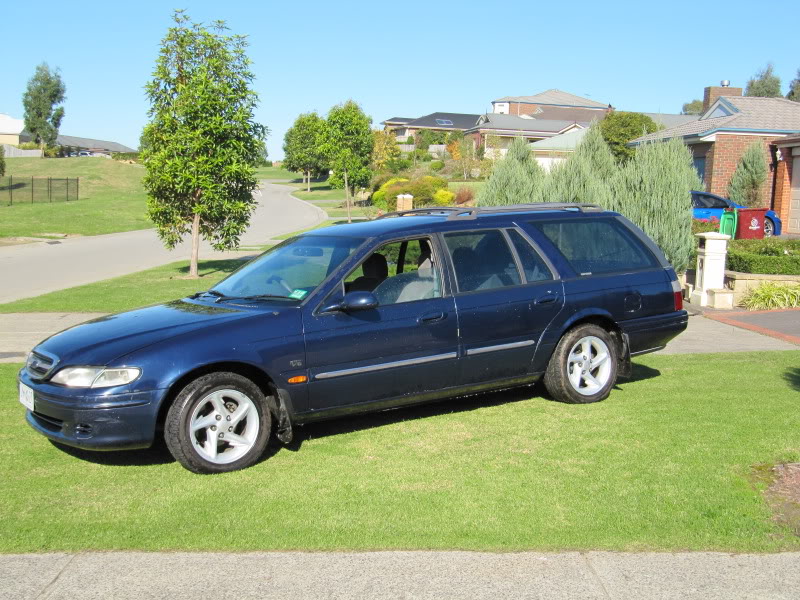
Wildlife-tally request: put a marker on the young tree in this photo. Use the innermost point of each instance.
(2, 160)
(653, 190)
(40, 101)
(619, 128)
(764, 84)
(304, 146)
(202, 141)
(794, 88)
(695, 107)
(515, 179)
(349, 148)
(464, 155)
(384, 149)
(750, 174)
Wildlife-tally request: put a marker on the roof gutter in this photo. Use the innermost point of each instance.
(718, 130)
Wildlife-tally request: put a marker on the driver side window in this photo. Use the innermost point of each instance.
(402, 271)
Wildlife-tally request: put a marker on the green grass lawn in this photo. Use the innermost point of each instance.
(152, 286)
(112, 199)
(663, 464)
(475, 185)
(320, 190)
(275, 173)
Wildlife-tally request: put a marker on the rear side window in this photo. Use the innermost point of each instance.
(597, 246)
(482, 260)
(532, 263)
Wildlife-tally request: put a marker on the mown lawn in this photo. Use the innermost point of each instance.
(275, 173)
(112, 199)
(151, 286)
(663, 464)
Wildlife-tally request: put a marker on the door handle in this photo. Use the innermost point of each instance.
(547, 299)
(432, 317)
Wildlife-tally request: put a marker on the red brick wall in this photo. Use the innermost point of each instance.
(725, 155)
(783, 186)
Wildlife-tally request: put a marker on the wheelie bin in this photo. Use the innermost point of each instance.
(750, 223)
(727, 223)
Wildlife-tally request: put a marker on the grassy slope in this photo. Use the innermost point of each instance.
(152, 286)
(661, 465)
(111, 198)
(275, 173)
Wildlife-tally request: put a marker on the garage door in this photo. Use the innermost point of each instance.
(794, 206)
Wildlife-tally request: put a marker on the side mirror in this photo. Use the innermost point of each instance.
(353, 301)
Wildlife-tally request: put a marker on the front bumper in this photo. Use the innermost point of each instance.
(81, 419)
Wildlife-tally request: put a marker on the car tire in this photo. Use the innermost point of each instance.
(570, 379)
(769, 227)
(218, 423)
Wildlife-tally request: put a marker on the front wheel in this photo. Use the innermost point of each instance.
(769, 227)
(583, 367)
(219, 422)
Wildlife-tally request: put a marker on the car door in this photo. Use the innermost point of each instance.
(506, 296)
(403, 349)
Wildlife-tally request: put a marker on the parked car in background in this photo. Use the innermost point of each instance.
(412, 307)
(707, 206)
(85, 153)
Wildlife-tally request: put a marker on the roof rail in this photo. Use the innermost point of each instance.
(471, 212)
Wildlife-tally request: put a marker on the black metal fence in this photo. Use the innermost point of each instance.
(30, 190)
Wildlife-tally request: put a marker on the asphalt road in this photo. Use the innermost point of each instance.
(41, 267)
(400, 575)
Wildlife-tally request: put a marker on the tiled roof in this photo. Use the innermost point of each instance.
(670, 120)
(79, 142)
(751, 114)
(556, 97)
(515, 123)
(457, 121)
(565, 141)
(400, 119)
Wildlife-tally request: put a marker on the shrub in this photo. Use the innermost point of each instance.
(28, 146)
(382, 198)
(515, 179)
(746, 262)
(769, 296)
(443, 197)
(2, 160)
(437, 165)
(125, 156)
(464, 195)
(410, 141)
(396, 165)
(423, 190)
(704, 225)
(750, 174)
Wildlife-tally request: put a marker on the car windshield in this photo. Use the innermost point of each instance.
(292, 269)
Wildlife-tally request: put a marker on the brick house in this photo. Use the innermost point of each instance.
(786, 198)
(554, 105)
(501, 129)
(729, 123)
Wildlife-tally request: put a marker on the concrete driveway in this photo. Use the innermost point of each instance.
(34, 269)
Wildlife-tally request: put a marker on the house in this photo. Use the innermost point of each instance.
(552, 151)
(786, 197)
(496, 131)
(731, 122)
(96, 147)
(10, 129)
(553, 105)
(438, 121)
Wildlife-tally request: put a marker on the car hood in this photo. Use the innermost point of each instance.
(100, 341)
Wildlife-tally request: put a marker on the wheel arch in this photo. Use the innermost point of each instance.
(259, 377)
(605, 321)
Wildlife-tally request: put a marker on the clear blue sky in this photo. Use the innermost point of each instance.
(406, 58)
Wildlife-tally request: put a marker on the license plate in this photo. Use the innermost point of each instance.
(26, 396)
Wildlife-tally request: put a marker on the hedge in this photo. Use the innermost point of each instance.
(748, 262)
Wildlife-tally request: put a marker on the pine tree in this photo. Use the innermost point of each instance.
(515, 179)
(653, 190)
(750, 174)
(584, 176)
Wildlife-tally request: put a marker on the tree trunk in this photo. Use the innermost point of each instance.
(308, 180)
(195, 247)
(347, 197)
(41, 147)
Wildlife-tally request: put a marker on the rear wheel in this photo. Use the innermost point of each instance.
(218, 423)
(769, 227)
(583, 368)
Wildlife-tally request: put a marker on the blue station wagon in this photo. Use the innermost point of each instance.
(411, 307)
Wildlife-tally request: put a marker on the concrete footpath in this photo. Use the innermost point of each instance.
(400, 575)
(33, 269)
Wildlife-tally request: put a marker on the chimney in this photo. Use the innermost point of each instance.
(710, 94)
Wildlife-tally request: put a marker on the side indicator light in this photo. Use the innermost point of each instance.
(298, 379)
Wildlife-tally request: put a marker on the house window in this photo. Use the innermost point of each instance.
(444, 122)
(700, 167)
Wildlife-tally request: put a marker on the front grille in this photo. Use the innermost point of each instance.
(39, 365)
(50, 423)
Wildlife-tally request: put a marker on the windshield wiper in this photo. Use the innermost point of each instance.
(209, 292)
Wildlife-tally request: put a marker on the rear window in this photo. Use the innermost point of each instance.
(597, 246)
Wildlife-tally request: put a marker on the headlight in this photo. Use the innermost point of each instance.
(95, 377)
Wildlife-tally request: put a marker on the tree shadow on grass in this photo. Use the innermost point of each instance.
(155, 455)
(792, 376)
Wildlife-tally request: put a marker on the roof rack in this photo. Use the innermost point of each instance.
(454, 213)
